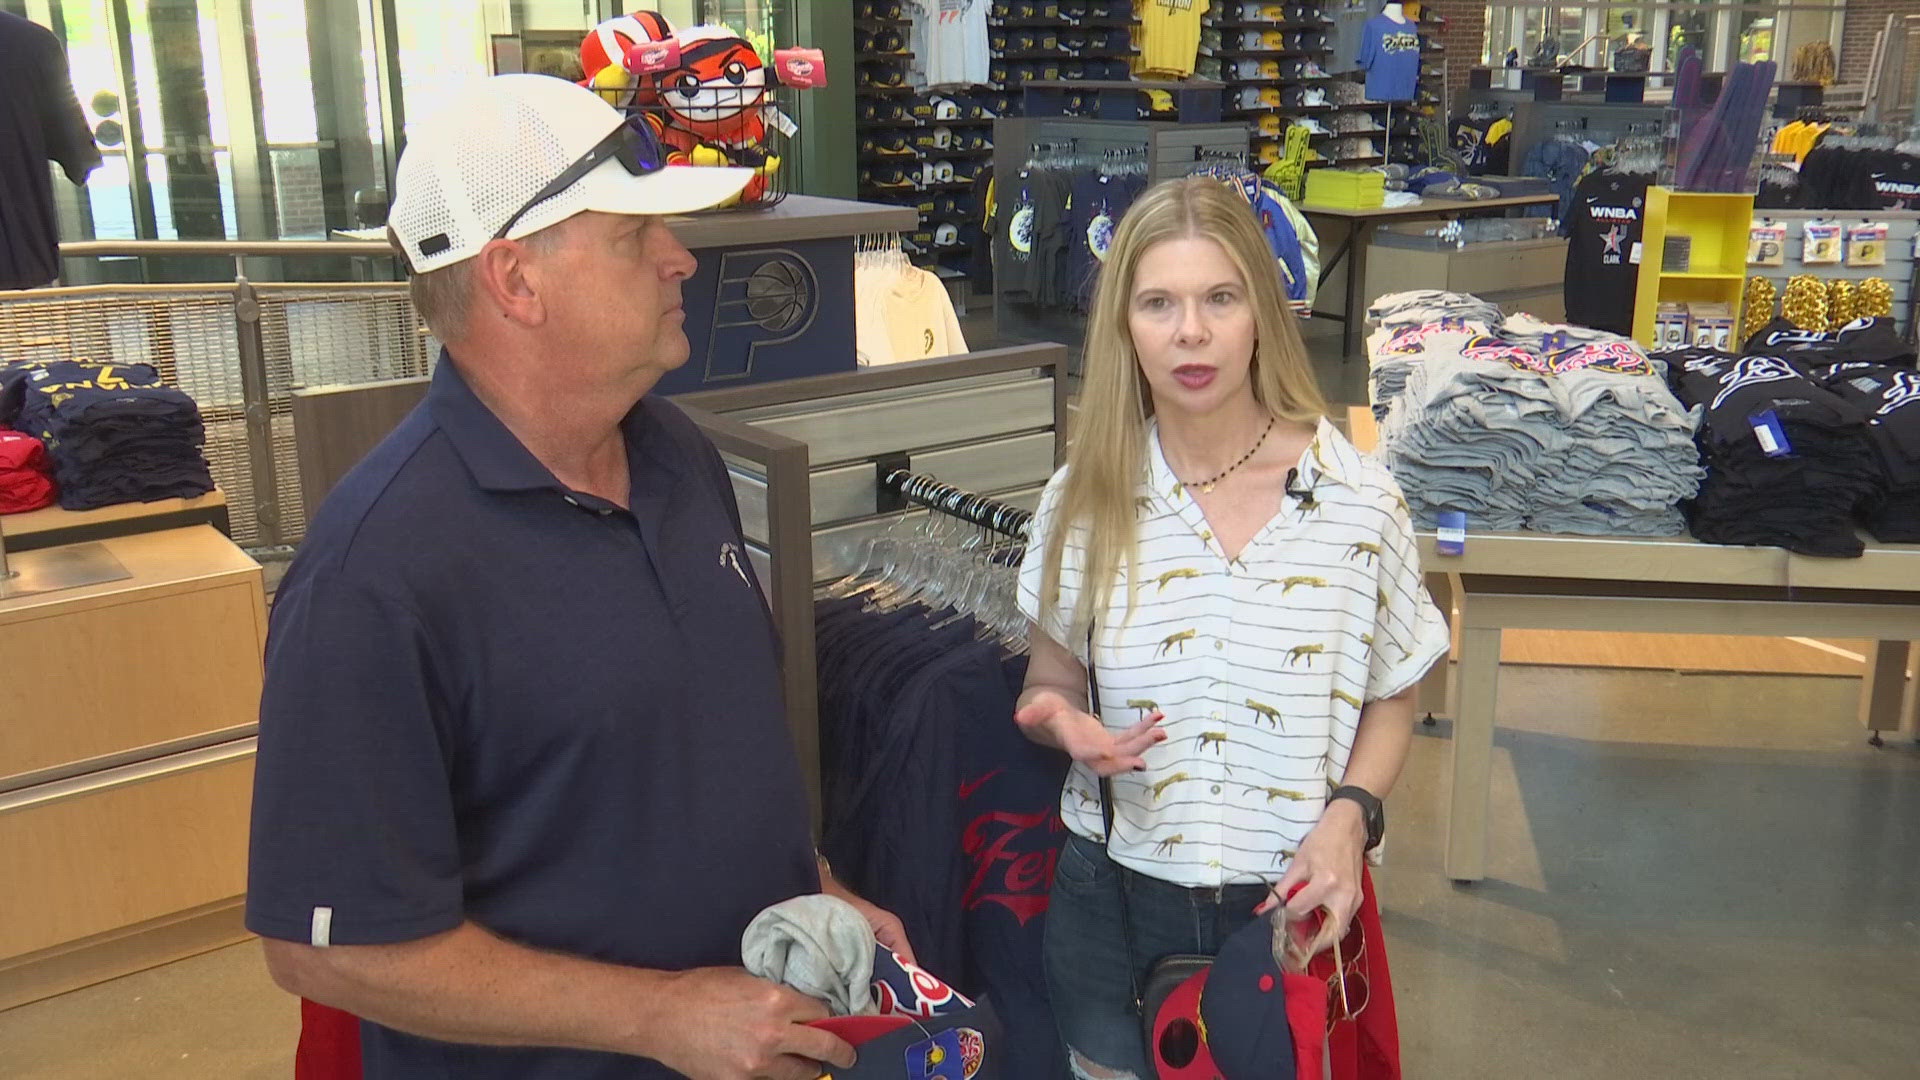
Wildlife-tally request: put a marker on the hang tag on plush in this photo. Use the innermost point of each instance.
(654, 57)
(1452, 538)
(1773, 437)
(801, 69)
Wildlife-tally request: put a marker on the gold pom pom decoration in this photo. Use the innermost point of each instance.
(1756, 311)
(1840, 304)
(1805, 302)
(1874, 299)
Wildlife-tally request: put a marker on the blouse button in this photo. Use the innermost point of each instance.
(1216, 789)
(1218, 645)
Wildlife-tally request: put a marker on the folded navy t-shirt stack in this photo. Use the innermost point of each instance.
(114, 433)
(1788, 461)
(1890, 396)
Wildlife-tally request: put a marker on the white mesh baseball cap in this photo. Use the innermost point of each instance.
(468, 169)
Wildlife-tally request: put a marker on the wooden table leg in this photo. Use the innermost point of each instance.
(1466, 858)
(1910, 704)
(1883, 691)
(1440, 690)
(1350, 336)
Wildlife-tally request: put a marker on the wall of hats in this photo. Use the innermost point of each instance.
(931, 84)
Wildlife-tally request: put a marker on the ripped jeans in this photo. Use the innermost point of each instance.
(1086, 954)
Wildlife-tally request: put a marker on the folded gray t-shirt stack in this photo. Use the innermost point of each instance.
(1407, 322)
(1586, 439)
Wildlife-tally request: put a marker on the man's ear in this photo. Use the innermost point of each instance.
(506, 276)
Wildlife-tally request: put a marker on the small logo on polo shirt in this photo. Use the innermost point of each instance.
(730, 557)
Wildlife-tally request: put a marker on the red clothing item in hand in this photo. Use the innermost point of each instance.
(25, 483)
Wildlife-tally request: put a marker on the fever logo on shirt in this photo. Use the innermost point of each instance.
(1619, 357)
(1497, 351)
(1400, 42)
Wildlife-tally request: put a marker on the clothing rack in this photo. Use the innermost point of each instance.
(983, 511)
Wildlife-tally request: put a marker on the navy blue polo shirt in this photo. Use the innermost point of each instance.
(491, 698)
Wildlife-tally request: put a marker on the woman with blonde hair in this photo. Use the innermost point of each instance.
(1244, 587)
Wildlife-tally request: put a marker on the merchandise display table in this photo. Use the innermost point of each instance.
(126, 762)
(54, 527)
(1360, 225)
(1531, 581)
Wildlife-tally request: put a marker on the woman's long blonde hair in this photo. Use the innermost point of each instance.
(1108, 454)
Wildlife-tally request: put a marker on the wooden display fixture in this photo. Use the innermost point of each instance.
(1717, 226)
(126, 769)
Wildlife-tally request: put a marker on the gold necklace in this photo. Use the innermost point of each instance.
(1206, 486)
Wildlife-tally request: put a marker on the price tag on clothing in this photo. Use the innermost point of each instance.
(1773, 437)
(1638, 249)
(1452, 533)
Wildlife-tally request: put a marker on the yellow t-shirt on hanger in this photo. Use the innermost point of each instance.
(1169, 35)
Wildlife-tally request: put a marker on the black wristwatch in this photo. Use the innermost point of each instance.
(1370, 809)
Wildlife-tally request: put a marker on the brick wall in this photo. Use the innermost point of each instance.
(1466, 36)
(1864, 20)
(299, 196)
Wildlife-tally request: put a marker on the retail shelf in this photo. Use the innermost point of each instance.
(883, 24)
(1265, 54)
(885, 91)
(1257, 24)
(875, 157)
(883, 58)
(1062, 24)
(1703, 275)
(890, 123)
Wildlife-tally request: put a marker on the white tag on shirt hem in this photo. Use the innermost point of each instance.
(322, 933)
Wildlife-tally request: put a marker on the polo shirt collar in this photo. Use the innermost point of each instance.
(496, 458)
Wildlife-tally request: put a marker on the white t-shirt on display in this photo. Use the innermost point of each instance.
(950, 42)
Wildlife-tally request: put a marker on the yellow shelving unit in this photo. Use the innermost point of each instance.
(1718, 226)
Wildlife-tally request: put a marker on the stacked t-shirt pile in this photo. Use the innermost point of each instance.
(25, 480)
(1869, 366)
(114, 433)
(1789, 461)
(1527, 425)
(1459, 312)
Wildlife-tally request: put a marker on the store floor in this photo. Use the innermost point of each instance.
(1691, 876)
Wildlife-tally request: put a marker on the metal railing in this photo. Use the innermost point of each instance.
(240, 349)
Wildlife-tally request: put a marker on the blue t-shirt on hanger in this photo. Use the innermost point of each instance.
(1390, 53)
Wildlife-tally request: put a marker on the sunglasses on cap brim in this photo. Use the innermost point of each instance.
(632, 144)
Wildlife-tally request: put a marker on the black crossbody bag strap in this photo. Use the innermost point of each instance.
(1106, 817)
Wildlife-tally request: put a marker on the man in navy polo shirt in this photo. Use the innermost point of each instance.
(524, 774)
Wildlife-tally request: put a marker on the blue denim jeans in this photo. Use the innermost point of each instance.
(1087, 956)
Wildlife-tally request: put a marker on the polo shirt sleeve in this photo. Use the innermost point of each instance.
(1409, 634)
(354, 841)
(1058, 614)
